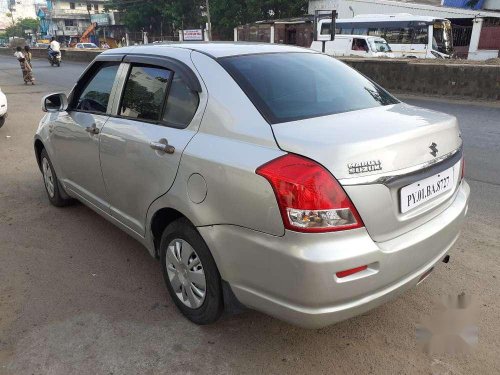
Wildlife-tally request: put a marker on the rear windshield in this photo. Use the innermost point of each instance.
(293, 86)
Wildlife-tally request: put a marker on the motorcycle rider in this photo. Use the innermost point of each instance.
(54, 48)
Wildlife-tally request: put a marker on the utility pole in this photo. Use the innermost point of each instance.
(208, 22)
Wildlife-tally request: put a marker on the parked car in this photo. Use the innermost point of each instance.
(354, 45)
(266, 176)
(86, 45)
(3, 108)
(42, 45)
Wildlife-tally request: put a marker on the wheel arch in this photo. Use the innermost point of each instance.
(159, 221)
(39, 147)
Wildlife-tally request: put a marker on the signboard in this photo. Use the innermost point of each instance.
(194, 34)
(102, 19)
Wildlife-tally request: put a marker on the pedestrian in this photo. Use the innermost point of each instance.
(28, 56)
(25, 66)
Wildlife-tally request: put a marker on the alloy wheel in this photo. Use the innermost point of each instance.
(48, 177)
(186, 273)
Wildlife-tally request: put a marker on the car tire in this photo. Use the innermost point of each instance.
(184, 252)
(54, 190)
(2, 121)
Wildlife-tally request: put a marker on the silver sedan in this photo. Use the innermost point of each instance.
(262, 176)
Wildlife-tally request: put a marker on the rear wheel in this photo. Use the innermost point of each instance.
(58, 64)
(190, 273)
(52, 186)
(2, 121)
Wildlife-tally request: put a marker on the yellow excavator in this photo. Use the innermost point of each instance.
(85, 36)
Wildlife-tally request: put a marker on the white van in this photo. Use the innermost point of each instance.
(355, 45)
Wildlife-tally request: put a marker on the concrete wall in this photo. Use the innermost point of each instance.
(464, 81)
(67, 55)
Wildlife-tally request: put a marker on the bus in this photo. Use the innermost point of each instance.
(408, 35)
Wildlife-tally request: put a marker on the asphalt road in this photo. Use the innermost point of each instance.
(78, 296)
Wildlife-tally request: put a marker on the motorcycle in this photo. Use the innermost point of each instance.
(54, 58)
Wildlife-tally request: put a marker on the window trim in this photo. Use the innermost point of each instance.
(165, 96)
(156, 61)
(171, 124)
(91, 72)
(171, 64)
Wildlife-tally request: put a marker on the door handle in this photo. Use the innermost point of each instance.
(163, 146)
(92, 129)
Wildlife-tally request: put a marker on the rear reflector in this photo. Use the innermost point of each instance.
(352, 271)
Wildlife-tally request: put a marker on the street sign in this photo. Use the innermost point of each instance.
(102, 19)
(194, 34)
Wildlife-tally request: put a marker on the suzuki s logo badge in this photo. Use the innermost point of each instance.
(364, 166)
(434, 150)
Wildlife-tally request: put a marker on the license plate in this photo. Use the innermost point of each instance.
(418, 193)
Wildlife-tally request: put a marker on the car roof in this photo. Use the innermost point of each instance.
(213, 49)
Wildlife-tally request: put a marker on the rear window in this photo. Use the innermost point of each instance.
(293, 86)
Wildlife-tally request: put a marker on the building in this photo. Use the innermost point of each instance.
(493, 5)
(68, 21)
(297, 31)
(17, 9)
(476, 32)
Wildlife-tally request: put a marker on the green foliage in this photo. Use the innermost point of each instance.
(225, 14)
(149, 15)
(22, 24)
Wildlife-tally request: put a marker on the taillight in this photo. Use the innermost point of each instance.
(309, 197)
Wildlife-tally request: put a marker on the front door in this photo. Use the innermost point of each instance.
(359, 47)
(76, 134)
(142, 145)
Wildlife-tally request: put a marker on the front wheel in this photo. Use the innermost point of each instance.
(190, 273)
(2, 121)
(58, 64)
(52, 186)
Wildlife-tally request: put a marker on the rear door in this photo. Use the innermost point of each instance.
(142, 143)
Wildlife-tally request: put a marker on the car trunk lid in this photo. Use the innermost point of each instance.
(361, 146)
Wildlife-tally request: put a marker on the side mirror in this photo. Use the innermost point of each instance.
(55, 102)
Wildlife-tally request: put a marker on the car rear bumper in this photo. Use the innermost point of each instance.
(294, 277)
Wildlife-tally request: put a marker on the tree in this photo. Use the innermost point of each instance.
(226, 14)
(22, 24)
(153, 15)
(11, 16)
